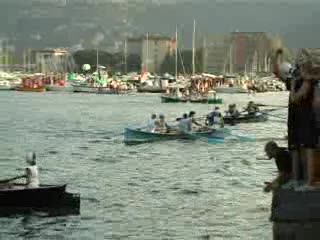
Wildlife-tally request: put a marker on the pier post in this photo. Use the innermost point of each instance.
(296, 214)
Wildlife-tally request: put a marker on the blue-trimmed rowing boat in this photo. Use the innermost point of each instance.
(137, 135)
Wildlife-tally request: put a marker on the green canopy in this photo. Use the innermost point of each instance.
(72, 77)
(101, 81)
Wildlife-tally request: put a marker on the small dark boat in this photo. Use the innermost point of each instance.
(150, 89)
(246, 118)
(198, 100)
(17, 198)
(172, 99)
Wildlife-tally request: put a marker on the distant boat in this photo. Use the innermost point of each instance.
(150, 89)
(57, 83)
(32, 84)
(246, 118)
(231, 89)
(88, 88)
(57, 88)
(151, 86)
(174, 98)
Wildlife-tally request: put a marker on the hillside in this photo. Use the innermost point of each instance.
(58, 23)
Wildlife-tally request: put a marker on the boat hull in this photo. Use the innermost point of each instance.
(135, 135)
(230, 90)
(55, 88)
(5, 88)
(168, 99)
(246, 119)
(45, 197)
(26, 89)
(215, 101)
(96, 90)
(151, 90)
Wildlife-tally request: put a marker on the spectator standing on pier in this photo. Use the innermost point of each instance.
(302, 134)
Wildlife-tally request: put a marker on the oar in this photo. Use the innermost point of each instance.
(270, 110)
(278, 121)
(240, 137)
(194, 136)
(267, 105)
(12, 179)
(276, 116)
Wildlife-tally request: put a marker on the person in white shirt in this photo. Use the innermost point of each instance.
(185, 124)
(32, 173)
(151, 126)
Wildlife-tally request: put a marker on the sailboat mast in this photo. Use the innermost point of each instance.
(230, 60)
(193, 47)
(125, 56)
(147, 59)
(97, 59)
(98, 69)
(176, 55)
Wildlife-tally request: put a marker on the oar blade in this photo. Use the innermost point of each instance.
(215, 140)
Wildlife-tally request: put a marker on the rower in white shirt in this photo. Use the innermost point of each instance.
(151, 126)
(32, 172)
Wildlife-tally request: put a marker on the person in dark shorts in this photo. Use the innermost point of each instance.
(302, 129)
(283, 161)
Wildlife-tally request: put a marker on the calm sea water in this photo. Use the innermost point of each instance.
(168, 190)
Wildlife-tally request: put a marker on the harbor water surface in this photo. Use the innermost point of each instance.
(165, 190)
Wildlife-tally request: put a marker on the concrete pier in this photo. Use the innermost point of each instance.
(296, 215)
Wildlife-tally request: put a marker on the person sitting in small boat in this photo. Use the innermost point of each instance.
(151, 126)
(185, 124)
(252, 108)
(233, 111)
(161, 125)
(193, 120)
(215, 117)
(283, 160)
(32, 173)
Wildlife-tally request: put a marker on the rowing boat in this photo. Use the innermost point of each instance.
(137, 135)
(19, 198)
(172, 99)
(246, 118)
(176, 99)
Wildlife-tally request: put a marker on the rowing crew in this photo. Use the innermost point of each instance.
(186, 123)
(157, 124)
(252, 109)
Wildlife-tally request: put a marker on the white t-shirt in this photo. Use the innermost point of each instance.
(32, 176)
(151, 126)
(185, 125)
